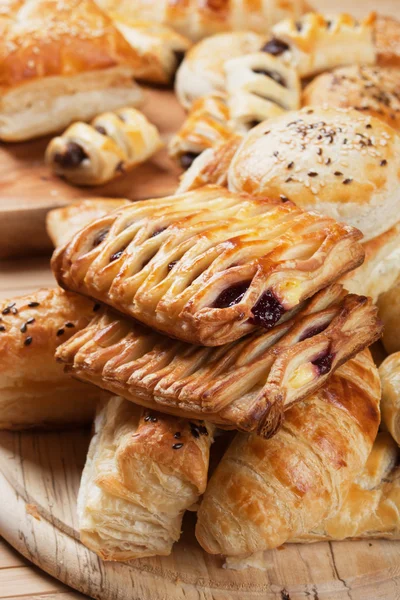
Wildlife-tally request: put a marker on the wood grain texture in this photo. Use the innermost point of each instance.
(28, 189)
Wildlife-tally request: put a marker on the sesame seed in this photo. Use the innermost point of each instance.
(347, 181)
(319, 151)
(23, 328)
(312, 174)
(6, 311)
(69, 325)
(368, 126)
(177, 435)
(33, 304)
(383, 163)
(177, 446)
(328, 161)
(290, 165)
(284, 198)
(28, 341)
(30, 321)
(2, 328)
(60, 332)
(338, 174)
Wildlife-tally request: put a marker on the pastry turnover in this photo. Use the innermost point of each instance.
(60, 61)
(389, 372)
(246, 385)
(259, 86)
(112, 144)
(202, 71)
(209, 266)
(34, 390)
(205, 127)
(201, 18)
(62, 223)
(389, 311)
(143, 470)
(340, 162)
(318, 42)
(371, 90)
(266, 492)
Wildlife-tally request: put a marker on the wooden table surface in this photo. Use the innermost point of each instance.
(18, 578)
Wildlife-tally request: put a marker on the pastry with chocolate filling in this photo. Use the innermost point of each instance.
(143, 471)
(248, 384)
(208, 266)
(112, 144)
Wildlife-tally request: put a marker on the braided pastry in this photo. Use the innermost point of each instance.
(207, 266)
(112, 144)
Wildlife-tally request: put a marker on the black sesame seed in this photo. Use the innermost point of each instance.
(28, 341)
(60, 332)
(276, 153)
(33, 304)
(177, 435)
(328, 161)
(23, 328)
(338, 174)
(30, 321)
(203, 430)
(368, 126)
(14, 311)
(290, 165)
(319, 151)
(69, 325)
(177, 446)
(312, 174)
(284, 198)
(6, 311)
(2, 328)
(288, 180)
(383, 162)
(96, 307)
(147, 418)
(347, 181)
(153, 419)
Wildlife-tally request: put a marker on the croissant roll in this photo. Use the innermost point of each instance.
(315, 43)
(246, 385)
(266, 492)
(389, 371)
(112, 144)
(389, 311)
(259, 86)
(143, 470)
(34, 390)
(208, 266)
(205, 126)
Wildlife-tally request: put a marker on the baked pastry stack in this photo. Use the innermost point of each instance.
(112, 144)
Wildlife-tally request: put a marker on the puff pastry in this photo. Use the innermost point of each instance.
(208, 266)
(201, 18)
(259, 86)
(371, 90)
(112, 144)
(265, 492)
(205, 127)
(34, 390)
(246, 385)
(387, 41)
(389, 372)
(62, 223)
(202, 71)
(143, 470)
(389, 312)
(60, 61)
(340, 162)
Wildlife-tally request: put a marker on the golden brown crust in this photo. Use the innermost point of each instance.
(370, 90)
(387, 41)
(48, 38)
(265, 492)
(389, 372)
(62, 223)
(247, 385)
(142, 472)
(389, 312)
(34, 391)
(199, 265)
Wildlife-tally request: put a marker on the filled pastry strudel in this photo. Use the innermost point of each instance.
(143, 470)
(60, 62)
(246, 385)
(209, 266)
(112, 144)
(389, 372)
(266, 492)
(34, 390)
(389, 311)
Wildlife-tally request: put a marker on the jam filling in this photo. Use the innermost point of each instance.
(232, 295)
(267, 310)
(273, 75)
(275, 47)
(101, 130)
(171, 265)
(324, 363)
(313, 331)
(118, 254)
(187, 159)
(100, 237)
(73, 156)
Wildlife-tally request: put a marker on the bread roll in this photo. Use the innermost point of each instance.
(389, 372)
(266, 492)
(341, 163)
(387, 41)
(34, 390)
(371, 90)
(143, 470)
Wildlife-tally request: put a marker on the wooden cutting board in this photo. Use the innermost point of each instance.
(28, 189)
(39, 479)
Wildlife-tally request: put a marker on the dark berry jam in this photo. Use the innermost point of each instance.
(232, 295)
(275, 47)
(100, 237)
(313, 331)
(272, 74)
(72, 157)
(324, 363)
(267, 310)
(187, 159)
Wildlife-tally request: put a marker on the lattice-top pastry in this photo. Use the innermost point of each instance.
(247, 384)
(259, 86)
(205, 126)
(112, 144)
(318, 42)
